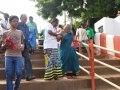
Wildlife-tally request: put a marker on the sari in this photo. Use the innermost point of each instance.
(33, 34)
(68, 56)
(32, 38)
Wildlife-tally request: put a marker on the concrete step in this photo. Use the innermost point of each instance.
(35, 63)
(41, 84)
(81, 83)
(101, 85)
(102, 70)
(41, 63)
(110, 62)
(113, 78)
(39, 71)
(38, 63)
(37, 56)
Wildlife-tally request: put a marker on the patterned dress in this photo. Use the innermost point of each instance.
(53, 65)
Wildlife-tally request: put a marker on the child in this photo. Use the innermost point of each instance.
(13, 44)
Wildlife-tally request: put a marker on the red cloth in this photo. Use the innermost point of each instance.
(76, 44)
(10, 43)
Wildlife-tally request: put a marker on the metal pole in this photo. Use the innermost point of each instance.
(91, 59)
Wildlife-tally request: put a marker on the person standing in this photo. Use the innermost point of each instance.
(81, 36)
(5, 23)
(90, 31)
(76, 45)
(13, 45)
(42, 34)
(33, 33)
(28, 65)
(68, 56)
(53, 67)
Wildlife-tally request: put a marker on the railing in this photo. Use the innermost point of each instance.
(92, 60)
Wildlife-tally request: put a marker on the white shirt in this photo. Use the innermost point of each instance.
(50, 41)
(81, 34)
(1, 30)
(6, 24)
(117, 19)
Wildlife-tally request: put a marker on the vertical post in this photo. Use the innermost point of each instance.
(91, 59)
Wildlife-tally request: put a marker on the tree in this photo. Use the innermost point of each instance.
(51, 8)
(100, 8)
(78, 8)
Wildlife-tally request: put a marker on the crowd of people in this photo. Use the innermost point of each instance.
(17, 38)
(61, 59)
(60, 49)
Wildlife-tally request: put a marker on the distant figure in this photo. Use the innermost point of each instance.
(118, 14)
(5, 23)
(28, 65)
(13, 45)
(90, 31)
(76, 45)
(73, 30)
(42, 37)
(42, 34)
(33, 34)
(59, 29)
(81, 36)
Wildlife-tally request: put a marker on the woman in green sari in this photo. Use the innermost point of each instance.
(68, 56)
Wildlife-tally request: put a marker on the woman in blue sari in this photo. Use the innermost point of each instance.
(68, 56)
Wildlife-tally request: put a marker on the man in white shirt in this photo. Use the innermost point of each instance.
(81, 36)
(50, 40)
(5, 23)
(53, 67)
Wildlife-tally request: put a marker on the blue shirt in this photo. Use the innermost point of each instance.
(25, 30)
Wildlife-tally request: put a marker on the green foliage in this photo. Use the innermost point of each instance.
(76, 24)
(117, 2)
(93, 8)
(101, 8)
(51, 8)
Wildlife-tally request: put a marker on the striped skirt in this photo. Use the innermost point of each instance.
(53, 64)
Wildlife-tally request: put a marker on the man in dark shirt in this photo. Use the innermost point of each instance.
(28, 66)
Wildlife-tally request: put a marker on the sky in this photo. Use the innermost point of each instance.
(18, 7)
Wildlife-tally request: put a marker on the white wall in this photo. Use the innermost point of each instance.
(110, 25)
